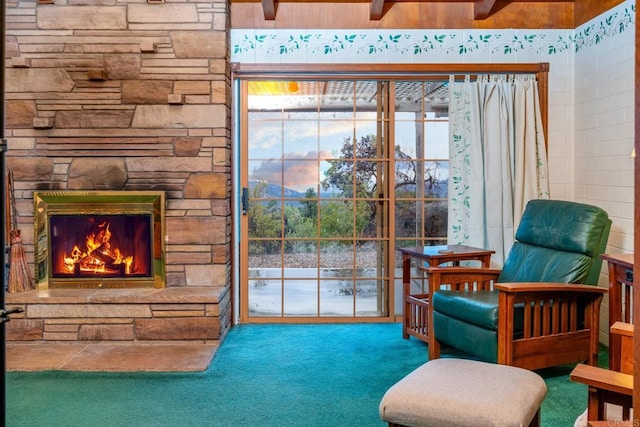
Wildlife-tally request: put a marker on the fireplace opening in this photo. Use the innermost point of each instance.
(99, 239)
(101, 245)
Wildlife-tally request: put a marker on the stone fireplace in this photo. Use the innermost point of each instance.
(136, 101)
(99, 239)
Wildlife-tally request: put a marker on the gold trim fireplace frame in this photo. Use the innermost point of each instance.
(148, 207)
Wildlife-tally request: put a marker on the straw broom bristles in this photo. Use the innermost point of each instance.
(20, 278)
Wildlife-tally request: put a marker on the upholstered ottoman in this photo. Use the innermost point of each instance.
(458, 392)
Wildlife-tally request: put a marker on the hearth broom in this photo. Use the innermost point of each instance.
(20, 278)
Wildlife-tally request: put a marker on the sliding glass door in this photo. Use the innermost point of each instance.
(315, 200)
(334, 174)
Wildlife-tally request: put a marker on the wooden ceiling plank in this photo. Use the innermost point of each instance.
(376, 10)
(482, 9)
(269, 9)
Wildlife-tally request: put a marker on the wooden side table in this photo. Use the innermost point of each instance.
(415, 314)
(620, 298)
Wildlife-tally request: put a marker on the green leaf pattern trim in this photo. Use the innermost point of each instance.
(459, 164)
(615, 22)
(416, 45)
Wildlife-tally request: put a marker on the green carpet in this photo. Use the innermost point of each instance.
(262, 375)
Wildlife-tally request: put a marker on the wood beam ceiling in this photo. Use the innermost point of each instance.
(482, 9)
(376, 10)
(269, 9)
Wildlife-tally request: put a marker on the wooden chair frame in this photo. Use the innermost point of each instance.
(609, 385)
(555, 332)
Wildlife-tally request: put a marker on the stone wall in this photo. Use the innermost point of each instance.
(127, 95)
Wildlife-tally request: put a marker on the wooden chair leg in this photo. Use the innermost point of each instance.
(434, 348)
(535, 422)
(595, 404)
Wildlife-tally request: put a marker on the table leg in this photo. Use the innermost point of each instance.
(406, 291)
(615, 314)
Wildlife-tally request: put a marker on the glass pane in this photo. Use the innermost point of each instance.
(336, 298)
(336, 219)
(300, 139)
(367, 114)
(435, 218)
(338, 93)
(366, 95)
(300, 298)
(437, 139)
(408, 219)
(397, 294)
(265, 297)
(409, 94)
(336, 258)
(366, 145)
(407, 142)
(299, 176)
(265, 139)
(305, 251)
(300, 259)
(367, 292)
(329, 188)
(436, 176)
(419, 283)
(366, 140)
(368, 178)
(262, 274)
(264, 219)
(293, 115)
(257, 116)
(402, 243)
(370, 259)
(293, 270)
(333, 135)
(405, 178)
(335, 272)
(267, 173)
(263, 253)
(367, 218)
(331, 112)
(338, 178)
(300, 220)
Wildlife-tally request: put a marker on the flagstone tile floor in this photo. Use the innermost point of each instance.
(110, 357)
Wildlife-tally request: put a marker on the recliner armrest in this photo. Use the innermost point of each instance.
(603, 379)
(516, 287)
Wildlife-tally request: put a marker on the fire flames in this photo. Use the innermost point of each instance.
(98, 257)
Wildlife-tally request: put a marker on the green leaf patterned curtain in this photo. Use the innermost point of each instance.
(498, 160)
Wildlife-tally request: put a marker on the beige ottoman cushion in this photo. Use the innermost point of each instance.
(458, 392)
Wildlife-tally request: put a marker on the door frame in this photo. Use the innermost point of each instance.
(290, 71)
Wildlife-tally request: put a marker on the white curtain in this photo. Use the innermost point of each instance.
(498, 160)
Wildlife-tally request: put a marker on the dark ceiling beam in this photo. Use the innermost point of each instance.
(376, 10)
(482, 9)
(269, 9)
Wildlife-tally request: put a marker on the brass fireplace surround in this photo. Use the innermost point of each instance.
(111, 203)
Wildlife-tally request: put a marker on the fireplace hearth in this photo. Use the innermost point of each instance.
(99, 239)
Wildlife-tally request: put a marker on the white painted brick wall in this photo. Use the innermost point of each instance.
(604, 132)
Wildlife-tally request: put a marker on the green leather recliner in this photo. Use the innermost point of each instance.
(493, 316)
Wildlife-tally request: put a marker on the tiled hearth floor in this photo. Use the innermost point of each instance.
(111, 357)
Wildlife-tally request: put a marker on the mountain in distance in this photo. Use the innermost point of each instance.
(273, 191)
